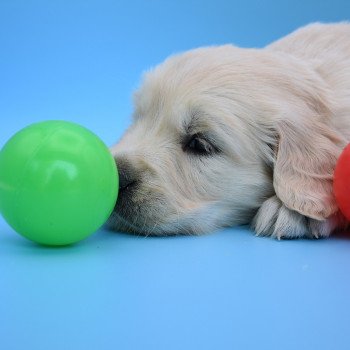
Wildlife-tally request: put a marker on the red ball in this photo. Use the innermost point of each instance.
(341, 182)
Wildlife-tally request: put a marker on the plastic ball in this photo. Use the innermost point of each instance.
(58, 182)
(341, 182)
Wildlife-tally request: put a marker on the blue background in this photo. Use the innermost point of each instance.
(80, 61)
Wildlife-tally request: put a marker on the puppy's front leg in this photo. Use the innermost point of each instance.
(274, 219)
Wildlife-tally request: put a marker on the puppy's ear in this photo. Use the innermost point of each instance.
(306, 154)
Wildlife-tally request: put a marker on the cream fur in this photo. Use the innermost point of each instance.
(278, 117)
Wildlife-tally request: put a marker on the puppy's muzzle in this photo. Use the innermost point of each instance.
(128, 174)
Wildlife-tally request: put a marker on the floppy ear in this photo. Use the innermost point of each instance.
(306, 155)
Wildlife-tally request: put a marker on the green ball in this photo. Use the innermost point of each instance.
(58, 182)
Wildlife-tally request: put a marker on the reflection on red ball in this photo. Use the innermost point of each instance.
(341, 182)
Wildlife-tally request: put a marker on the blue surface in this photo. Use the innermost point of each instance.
(80, 61)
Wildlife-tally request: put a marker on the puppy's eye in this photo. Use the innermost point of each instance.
(198, 145)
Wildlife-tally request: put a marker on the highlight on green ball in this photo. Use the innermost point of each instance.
(58, 182)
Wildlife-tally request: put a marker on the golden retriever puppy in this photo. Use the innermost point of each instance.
(224, 136)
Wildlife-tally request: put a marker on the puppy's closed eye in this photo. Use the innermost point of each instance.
(198, 144)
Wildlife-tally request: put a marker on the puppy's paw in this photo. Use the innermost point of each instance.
(336, 222)
(274, 219)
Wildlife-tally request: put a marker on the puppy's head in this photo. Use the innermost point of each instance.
(204, 141)
(188, 164)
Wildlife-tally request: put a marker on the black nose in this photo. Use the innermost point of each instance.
(128, 174)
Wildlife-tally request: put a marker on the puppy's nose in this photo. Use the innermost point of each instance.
(128, 175)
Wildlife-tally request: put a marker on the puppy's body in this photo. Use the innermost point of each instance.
(222, 136)
(326, 48)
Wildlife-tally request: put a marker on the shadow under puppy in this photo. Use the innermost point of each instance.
(224, 136)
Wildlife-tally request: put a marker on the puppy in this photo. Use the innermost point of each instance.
(224, 136)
